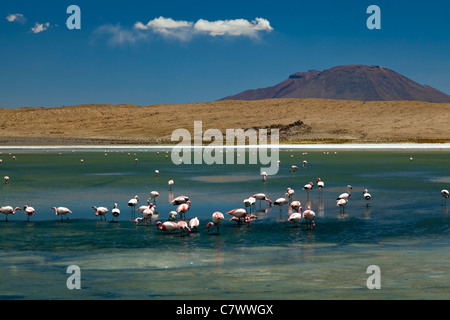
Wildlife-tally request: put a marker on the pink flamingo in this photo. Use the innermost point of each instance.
(147, 214)
(217, 218)
(194, 223)
(366, 196)
(115, 212)
(261, 197)
(239, 214)
(183, 227)
(445, 195)
(29, 211)
(179, 200)
(296, 217)
(9, 210)
(168, 226)
(345, 195)
(100, 211)
(342, 203)
(282, 201)
(170, 183)
(60, 211)
(183, 208)
(309, 216)
(133, 203)
(296, 205)
(153, 196)
(320, 185)
(264, 175)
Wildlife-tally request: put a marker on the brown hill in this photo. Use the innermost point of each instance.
(351, 82)
(299, 120)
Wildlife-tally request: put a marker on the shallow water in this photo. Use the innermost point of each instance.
(404, 230)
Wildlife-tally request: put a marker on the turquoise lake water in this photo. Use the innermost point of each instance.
(404, 230)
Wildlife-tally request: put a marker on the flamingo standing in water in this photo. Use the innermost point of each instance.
(9, 210)
(239, 214)
(217, 218)
(60, 211)
(309, 216)
(296, 205)
(291, 192)
(293, 168)
(29, 211)
(100, 211)
(282, 201)
(183, 227)
(115, 212)
(173, 215)
(170, 183)
(179, 200)
(249, 203)
(133, 203)
(347, 194)
(296, 217)
(264, 175)
(153, 196)
(261, 197)
(366, 196)
(194, 223)
(445, 195)
(168, 226)
(183, 208)
(320, 185)
(342, 203)
(147, 214)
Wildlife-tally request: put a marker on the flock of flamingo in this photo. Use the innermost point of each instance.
(177, 218)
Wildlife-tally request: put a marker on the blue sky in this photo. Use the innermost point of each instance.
(207, 53)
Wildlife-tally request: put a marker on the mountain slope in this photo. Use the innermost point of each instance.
(350, 82)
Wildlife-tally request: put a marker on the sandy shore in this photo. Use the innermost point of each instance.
(307, 121)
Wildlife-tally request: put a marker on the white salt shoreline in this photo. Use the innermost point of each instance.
(281, 147)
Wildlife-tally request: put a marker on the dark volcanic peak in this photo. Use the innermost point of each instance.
(349, 82)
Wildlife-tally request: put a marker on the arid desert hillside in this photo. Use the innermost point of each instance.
(299, 121)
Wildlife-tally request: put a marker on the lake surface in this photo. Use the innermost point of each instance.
(404, 230)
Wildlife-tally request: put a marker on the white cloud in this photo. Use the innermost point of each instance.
(40, 27)
(183, 30)
(119, 35)
(16, 17)
(237, 27)
(168, 27)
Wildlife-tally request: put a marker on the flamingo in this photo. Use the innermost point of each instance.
(309, 216)
(115, 211)
(308, 187)
(183, 227)
(320, 185)
(156, 173)
(194, 223)
(183, 208)
(282, 201)
(296, 205)
(133, 203)
(9, 210)
(100, 211)
(29, 211)
(153, 196)
(142, 208)
(296, 217)
(249, 202)
(147, 214)
(293, 168)
(264, 175)
(445, 195)
(179, 200)
(366, 196)
(60, 211)
(290, 192)
(261, 197)
(304, 163)
(342, 203)
(217, 218)
(168, 226)
(347, 194)
(170, 183)
(6, 179)
(239, 214)
(173, 215)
